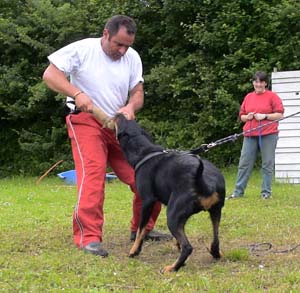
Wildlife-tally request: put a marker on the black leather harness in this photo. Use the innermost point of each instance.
(163, 152)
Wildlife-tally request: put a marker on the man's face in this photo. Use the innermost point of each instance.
(116, 46)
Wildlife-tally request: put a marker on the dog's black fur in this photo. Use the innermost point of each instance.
(185, 183)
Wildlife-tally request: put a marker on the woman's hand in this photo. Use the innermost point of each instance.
(260, 116)
(250, 116)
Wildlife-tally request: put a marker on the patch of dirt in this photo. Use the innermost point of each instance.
(160, 253)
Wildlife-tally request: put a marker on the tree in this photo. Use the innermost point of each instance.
(198, 59)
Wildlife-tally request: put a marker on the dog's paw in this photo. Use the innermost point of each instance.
(133, 253)
(217, 255)
(167, 269)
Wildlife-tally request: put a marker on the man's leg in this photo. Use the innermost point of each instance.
(126, 174)
(89, 152)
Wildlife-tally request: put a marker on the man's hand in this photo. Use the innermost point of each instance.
(128, 112)
(259, 116)
(84, 103)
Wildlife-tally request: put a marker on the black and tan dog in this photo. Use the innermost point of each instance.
(184, 182)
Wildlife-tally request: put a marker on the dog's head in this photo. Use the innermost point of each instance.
(135, 142)
(126, 128)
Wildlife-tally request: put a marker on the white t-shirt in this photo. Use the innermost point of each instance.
(107, 82)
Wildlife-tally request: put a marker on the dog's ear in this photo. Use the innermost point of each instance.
(121, 121)
(127, 127)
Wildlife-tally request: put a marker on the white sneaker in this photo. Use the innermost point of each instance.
(234, 196)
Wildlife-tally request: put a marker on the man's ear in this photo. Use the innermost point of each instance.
(105, 34)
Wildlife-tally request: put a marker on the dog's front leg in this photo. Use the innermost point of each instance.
(147, 208)
(137, 245)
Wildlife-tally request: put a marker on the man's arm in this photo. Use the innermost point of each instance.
(58, 82)
(135, 102)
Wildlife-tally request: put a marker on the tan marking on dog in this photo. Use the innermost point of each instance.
(169, 268)
(208, 202)
(140, 235)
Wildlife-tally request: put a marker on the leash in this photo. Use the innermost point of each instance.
(262, 248)
(266, 247)
(231, 138)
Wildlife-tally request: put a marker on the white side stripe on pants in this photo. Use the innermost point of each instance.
(77, 219)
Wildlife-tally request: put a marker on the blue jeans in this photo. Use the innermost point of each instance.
(248, 157)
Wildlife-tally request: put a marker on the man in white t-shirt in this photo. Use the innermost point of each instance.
(100, 72)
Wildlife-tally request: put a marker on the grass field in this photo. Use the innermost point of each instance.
(37, 253)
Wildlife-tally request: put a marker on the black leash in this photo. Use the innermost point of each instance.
(231, 138)
(266, 247)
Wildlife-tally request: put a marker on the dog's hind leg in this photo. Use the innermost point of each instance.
(177, 218)
(215, 215)
(147, 208)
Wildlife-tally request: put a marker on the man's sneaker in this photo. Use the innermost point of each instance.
(96, 249)
(232, 196)
(158, 236)
(265, 195)
(152, 236)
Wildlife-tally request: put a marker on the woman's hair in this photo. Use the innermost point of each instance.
(114, 23)
(261, 76)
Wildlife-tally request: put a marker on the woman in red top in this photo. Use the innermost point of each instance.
(258, 108)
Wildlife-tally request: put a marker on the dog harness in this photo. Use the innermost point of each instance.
(163, 152)
(148, 157)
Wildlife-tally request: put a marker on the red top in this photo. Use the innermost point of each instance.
(265, 103)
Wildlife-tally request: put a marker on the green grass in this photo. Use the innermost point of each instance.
(37, 252)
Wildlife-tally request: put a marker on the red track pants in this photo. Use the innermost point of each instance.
(93, 148)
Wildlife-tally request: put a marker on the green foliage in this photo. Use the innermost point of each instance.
(198, 59)
(31, 114)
